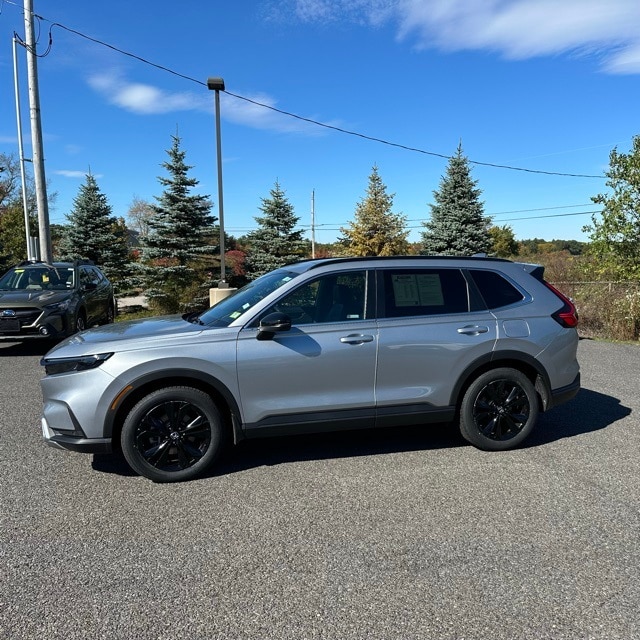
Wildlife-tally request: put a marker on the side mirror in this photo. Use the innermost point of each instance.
(272, 324)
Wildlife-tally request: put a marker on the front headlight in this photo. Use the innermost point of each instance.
(58, 306)
(53, 366)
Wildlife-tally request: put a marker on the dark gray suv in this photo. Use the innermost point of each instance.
(51, 301)
(320, 345)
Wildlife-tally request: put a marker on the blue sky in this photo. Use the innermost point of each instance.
(542, 85)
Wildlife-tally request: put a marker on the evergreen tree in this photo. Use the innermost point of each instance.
(276, 242)
(93, 233)
(615, 232)
(376, 230)
(176, 251)
(458, 225)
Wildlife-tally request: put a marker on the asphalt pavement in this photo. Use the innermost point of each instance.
(396, 534)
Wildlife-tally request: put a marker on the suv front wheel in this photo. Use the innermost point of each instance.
(172, 434)
(499, 410)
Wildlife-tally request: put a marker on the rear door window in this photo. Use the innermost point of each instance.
(423, 292)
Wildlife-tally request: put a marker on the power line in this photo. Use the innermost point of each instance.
(296, 116)
(325, 226)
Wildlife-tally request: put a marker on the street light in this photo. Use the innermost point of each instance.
(217, 85)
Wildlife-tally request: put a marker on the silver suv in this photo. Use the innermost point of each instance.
(320, 345)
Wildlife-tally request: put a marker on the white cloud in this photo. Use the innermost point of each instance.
(68, 173)
(145, 99)
(517, 29)
(257, 116)
(372, 12)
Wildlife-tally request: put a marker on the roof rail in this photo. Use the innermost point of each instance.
(324, 261)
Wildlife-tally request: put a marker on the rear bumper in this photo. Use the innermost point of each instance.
(564, 394)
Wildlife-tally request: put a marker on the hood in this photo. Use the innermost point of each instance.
(136, 331)
(39, 298)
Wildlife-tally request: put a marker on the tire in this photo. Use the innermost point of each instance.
(111, 315)
(172, 434)
(81, 322)
(499, 410)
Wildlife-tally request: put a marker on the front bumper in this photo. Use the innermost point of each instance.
(74, 440)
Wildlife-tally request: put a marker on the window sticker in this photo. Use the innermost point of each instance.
(430, 289)
(405, 290)
(417, 290)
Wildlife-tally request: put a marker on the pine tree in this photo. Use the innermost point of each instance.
(458, 225)
(176, 251)
(94, 233)
(276, 242)
(376, 230)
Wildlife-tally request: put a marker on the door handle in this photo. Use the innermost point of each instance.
(356, 338)
(472, 330)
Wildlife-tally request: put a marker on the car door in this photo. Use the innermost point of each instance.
(428, 335)
(95, 292)
(320, 373)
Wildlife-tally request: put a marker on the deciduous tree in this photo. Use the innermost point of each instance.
(615, 231)
(503, 241)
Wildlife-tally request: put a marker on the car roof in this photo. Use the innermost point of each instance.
(30, 264)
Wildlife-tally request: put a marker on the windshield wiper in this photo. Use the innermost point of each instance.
(193, 318)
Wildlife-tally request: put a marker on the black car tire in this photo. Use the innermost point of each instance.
(499, 410)
(81, 322)
(111, 314)
(172, 434)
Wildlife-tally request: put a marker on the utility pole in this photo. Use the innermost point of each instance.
(313, 224)
(46, 252)
(23, 174)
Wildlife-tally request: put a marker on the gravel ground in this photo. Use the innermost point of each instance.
(407, 534)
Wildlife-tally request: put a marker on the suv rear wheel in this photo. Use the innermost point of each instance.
(499, 410)
(172, 434)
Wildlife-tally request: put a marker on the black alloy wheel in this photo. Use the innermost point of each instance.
(499, 410)
(172, 434)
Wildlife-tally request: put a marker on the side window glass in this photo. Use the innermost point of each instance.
(331, 298)
(496, 290)
(85, 276)
(96, 276)
(422, 292)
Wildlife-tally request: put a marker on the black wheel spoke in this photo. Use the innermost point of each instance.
(501, 409)
(173, 435)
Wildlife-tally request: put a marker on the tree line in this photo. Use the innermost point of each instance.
(169, 250)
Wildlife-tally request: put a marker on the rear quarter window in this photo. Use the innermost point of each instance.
(496, 290)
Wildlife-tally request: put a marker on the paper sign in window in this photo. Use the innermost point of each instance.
(424, 290)
(430, 290)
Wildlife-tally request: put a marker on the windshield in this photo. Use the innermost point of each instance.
(226, 311)
(41, 278)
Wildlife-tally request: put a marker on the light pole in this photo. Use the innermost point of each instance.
(217, 85)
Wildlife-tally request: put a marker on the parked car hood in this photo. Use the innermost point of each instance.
(35, 297)
(116, 335)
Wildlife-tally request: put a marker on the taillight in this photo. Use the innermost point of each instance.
(567, 315)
